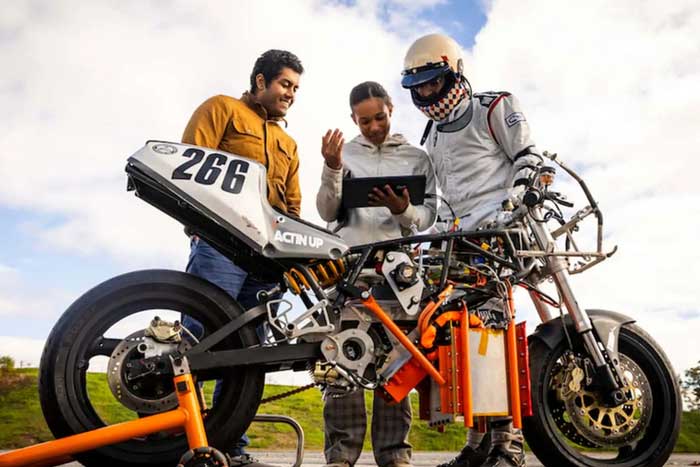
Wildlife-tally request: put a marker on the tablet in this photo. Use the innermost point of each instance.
(357, 190)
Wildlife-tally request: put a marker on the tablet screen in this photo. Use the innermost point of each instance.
(357, 190)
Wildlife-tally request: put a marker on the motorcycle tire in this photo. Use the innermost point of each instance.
(62, 376)
(654, 446)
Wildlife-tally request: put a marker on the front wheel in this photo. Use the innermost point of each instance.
(84, 382)
(570, 427)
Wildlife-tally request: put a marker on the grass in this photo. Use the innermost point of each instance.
(689, 439)
(23, 423)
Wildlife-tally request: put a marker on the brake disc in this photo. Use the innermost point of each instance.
(150, 392)
(558, 409)
(611, 426)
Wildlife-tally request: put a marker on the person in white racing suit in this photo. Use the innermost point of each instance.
(374, 153)
(483, 155)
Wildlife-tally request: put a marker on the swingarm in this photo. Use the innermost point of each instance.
(201, 358)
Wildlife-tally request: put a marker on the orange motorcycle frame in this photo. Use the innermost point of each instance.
(187, 417)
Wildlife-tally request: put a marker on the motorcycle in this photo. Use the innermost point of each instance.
(432, 312)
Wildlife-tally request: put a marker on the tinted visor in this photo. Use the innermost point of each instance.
(418, 100)
(417, 76)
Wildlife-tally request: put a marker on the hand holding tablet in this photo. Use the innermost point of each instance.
(392, 192)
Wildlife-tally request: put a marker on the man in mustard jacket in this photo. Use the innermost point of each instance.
(249, 127)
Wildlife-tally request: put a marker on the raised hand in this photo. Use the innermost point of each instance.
(332, 148)
(388, 198)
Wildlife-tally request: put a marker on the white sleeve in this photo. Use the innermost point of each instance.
(511, 131)
(330, 194)
(423, 215)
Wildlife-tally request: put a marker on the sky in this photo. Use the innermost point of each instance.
(610, 86)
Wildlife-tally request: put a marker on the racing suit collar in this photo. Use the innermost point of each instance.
(458, 110)
(459, 118)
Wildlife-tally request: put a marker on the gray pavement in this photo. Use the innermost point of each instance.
(420, 459)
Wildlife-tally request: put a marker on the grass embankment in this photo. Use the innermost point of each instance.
(23, 423)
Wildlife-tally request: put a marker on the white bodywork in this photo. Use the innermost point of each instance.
(232, 190)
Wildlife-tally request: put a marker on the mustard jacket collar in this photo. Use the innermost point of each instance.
(249, 100)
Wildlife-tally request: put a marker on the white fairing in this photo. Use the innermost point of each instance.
(234, 190)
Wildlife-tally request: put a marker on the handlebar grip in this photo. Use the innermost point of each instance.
(568, 204)
(554, 196)
(532, 198)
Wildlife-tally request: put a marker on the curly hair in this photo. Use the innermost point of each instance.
(270, 64)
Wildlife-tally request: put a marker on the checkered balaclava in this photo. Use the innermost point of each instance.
(441, 109)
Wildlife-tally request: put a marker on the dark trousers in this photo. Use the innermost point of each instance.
(345, 419)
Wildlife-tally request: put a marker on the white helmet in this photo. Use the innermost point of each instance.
(430, 57)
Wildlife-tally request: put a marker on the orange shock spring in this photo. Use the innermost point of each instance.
(326, 273)
(296, 281)
(321, 271)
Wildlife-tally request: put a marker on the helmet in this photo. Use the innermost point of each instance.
(430, 57)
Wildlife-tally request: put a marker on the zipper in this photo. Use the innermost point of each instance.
(376, 171)
(267, 156)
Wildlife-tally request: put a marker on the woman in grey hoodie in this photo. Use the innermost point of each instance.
(373, 153)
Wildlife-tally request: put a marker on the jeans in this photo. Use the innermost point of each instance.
(207, 263)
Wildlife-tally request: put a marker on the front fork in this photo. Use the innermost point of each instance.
(610, 376)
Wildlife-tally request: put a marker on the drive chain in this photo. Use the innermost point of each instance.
(287, 394)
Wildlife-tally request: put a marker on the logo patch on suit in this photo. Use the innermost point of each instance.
(514, 118)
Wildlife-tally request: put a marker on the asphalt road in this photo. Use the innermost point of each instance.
(420, 459)
(423, 459)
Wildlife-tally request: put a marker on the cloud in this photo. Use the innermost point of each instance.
(8, 281)
(598, 81)
(20, 299)
(83, 94)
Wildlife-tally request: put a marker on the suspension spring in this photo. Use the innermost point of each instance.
(326, 273)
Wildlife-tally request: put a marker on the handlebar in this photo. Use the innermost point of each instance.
(591, 201)
(535, 196)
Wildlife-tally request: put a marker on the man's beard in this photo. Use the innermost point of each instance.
(270, 104)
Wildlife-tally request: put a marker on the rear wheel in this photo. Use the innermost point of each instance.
(105, 326)
(570, 427)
